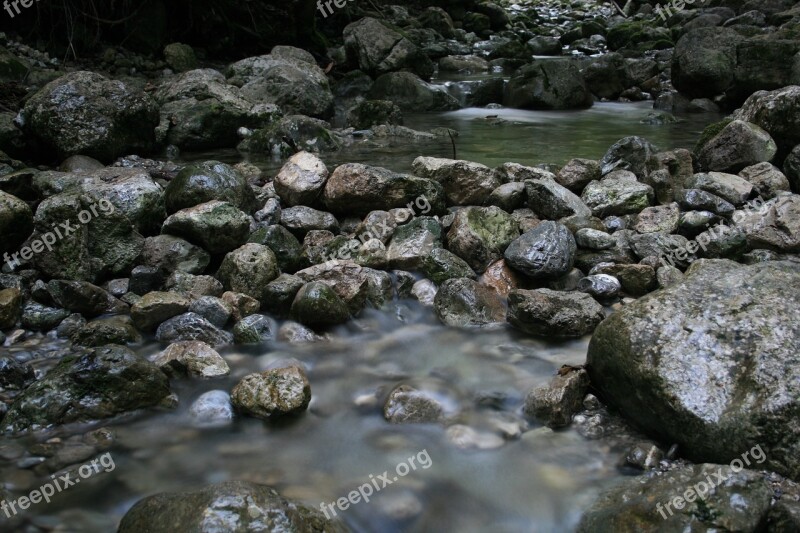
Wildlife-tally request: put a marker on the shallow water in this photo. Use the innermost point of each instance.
(528, 478)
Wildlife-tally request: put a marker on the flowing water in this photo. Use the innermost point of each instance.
(493, 471)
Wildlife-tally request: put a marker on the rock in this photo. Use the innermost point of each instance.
(792, 168)
(280, 294)
(704, 61)
(551, 201)
(668, 276)
(357, 189)
(549, 85)
(602, 287)
(441, 265)
(193, 358)
(578, 173)
(295, 333)
(240, 304)
(767, 180)
(180, 57)
(254, 329)
(100, 384)
(201, 111)
(15, 375)
(407, 405)
(157, 307)
(378, 49)
(169, 254)
(412, 242)
(317, 304)
(594, 239)
(501, 278)
(85, 298)
(694, 383)
(777, 112)
(739, 499)
(634, 154)
(544, 45)
(661, 218)
(192, 327)
(284, 245)
(218, 227)
(277, 392)
(636, 280)
(213, 309)
(305, 133)
(514, 172)
(301, 219)
(102, 331)
(86, 113)
(16, 223)
(462, 302)
(212, 409)
(10, 307)
(546, 313)
(729, 187)
(287, 77)
(545, 252)
(554, 404)
(508, 197)
(38, 317)
(248, 270)
(410, 93)
(774, 226)
(354, 284)
(193, 286)
(738, 145)
(463, 64)
(207, 181)
(301, 180)
(697, 200)
(464, 183)
(605, 75)
(229, 506)
(369, 113)
(480, 235)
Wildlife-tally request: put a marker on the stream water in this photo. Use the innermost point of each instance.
(494, 471)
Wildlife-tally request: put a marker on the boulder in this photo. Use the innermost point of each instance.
(216, 226)
(192, 327)
(545, 252)
(551, 201)
(301, 180)
(157, 307)
(549, 85)
(462, 302)
(738, 145)
(277, 392)
(248, 270)
(412, 242)
(548, 313)
(16, 222)
(378, 49)
(480, 235)
(210, 180)
(704, 61)
(617, 196)
(778, 113)
(410, 93)
(464, 182)
(317, 304)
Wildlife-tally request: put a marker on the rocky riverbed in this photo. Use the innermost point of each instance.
(553, 248)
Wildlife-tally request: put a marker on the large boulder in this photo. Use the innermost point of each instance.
(704, 61)
(100, 384)
(289, 78)
(229, 506)
(411, 93)
(357, 189)
(216, 226)
(207, 181)
(378, 49)
(550, 84)
(201, 111)
(711, 363)
(464, 182)
(777, 112)
(86, 113)
(738, 145)
(548, 313)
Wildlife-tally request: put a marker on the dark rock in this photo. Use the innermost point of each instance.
(462, 302)
(548, 313)
(545, 252)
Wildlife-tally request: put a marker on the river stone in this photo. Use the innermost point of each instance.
(284, 245)
(412, 94)
(661, 218)
(545, 252)
(501, 278)
(441, 265)
(99, 384)
(38, 317)
(301, 179)
(424, 291)
(212, 409)
(548, 85)
(317, 304)
(108, 330)
(357, 189)
(508, 196)
(248, 270)
(551, 201)
(710, 363)
(634, 154)
(169, 253)
(603, 287)
(408, 405)
(462, 302)
(180, 57)
(593, 239)
(215, 310)
(704, 61)
(194, 358)
(777, 112)
(549, 313)
(738, 145)
(369, 113)
(86, 113)
(555, 403)
(697, 200)
(16, 222)
(193, 286)
(216, 226)
(192, 327)
(210, 180)
(464, 182)
(10, 307)
(767, 180)
(157, 307)
(230, 506)
(480, 235)
(774, 226)
(84, 298)
(275, 392)
(412, 242)
(280, 293)
(301, 219)
(738, 502)
(637, 280)
(617, 196)
(729, 187)
(379, 49)
(254, 329)
(578, 173)
(241, 305)
(15, 375)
